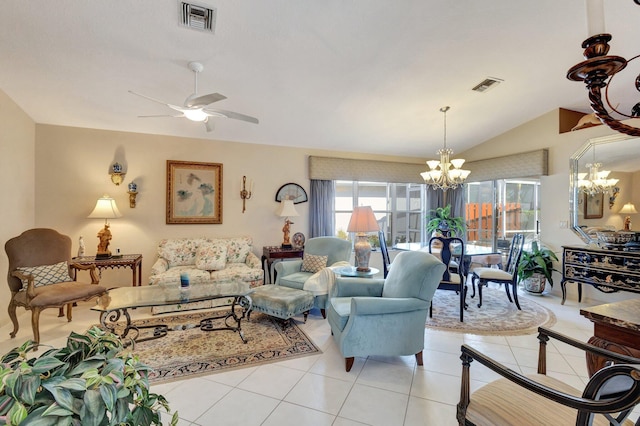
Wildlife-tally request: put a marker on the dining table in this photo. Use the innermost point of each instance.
(471, 251)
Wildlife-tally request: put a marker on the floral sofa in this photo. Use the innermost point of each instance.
(204, 259)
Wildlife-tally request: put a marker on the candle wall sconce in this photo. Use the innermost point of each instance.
(117, 174)
(614, 194)
(133, 192)
(244, 193)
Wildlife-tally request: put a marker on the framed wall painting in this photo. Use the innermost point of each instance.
(194, 192)
(593, 206)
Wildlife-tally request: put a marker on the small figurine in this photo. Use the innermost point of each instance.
(80, 246)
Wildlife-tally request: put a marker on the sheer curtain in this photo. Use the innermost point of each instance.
(321, 206)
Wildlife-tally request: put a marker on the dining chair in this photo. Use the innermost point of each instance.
(448, 250)
(386, 261)
(508, 276)
(537, 399)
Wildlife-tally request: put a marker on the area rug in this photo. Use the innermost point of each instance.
(497, 316)
(187, 351)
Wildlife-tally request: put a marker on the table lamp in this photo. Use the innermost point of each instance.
(105, 209)
(287, 210)
(628, 209)
(362, 221)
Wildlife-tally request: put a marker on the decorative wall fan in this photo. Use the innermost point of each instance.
(196, 108)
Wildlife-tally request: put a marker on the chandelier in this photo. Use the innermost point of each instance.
(596, 69)
(441, 175)
(596, 181)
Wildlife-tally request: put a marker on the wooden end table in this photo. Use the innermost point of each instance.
(616, 327)
(273, 253)
(132, 261)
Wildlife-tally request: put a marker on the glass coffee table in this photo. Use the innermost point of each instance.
(115, 305)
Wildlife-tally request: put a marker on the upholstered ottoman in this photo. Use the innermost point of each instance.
(281, 302)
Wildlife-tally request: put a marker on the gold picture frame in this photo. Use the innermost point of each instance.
(194, 192)
(593, 206)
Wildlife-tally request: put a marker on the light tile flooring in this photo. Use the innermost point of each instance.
(316, 390)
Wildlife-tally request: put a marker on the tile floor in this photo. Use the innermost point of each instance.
(316, 390)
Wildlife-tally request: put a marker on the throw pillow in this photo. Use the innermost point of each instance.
(313, 263)
(211, 256)
(46, 274)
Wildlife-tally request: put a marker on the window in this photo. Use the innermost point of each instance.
(498, 209)
(398, 207)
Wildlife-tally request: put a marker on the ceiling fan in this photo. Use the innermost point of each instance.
(196, 108)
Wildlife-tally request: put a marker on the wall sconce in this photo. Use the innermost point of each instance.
(244, 194)
(133, 191)
(614, 194)
(117, 175)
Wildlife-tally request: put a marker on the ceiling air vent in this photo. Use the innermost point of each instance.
(487, 84)
(197, 17)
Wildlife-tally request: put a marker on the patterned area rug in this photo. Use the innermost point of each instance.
(188, 351)
(497, 316)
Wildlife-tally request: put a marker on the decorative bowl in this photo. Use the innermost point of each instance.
(614, 237)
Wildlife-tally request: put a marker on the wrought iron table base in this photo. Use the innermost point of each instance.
(109, 319)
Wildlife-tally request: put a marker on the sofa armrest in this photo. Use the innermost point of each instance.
(252, 261)
(159, 267)
(354, 287)
(386, 305)
(287, 267)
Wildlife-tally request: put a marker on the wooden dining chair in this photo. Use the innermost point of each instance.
(386, 261)
(508, 276)
(448, 249)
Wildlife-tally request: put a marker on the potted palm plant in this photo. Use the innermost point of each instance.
(90, 381)
(536, 268)
(440, 220)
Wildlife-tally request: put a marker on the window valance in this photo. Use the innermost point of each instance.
(526, 164)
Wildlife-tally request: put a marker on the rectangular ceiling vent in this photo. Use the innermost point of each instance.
(198, 17)
(487, 84)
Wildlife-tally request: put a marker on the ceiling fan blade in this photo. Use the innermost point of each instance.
(204, 100)
(177, 108)
(209, 125)
(230, 114)
(163, 115)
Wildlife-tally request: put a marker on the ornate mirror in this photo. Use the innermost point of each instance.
(617, 153)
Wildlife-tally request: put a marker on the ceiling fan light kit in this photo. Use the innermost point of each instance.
(196, 108)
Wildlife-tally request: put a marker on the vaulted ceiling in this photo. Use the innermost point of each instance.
(348, 75)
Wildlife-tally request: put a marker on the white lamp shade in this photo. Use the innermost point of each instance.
(105, 209)
(287, 209)
(628, 208)
(363, 220)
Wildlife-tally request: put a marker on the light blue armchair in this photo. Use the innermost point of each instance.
(290, 273)
(385, 317)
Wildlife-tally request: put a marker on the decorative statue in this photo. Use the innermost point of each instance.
(81, 246)
(105, 237)
(286, 229)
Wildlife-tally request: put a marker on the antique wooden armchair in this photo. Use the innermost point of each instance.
(39, 276)
(516, 399)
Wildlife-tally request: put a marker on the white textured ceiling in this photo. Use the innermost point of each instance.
(348, 75)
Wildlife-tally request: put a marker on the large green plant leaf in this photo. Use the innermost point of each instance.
(45, 364)
(94, 408)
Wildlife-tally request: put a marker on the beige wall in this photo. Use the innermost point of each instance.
(72, 173)
(17, 174)
(543, 133)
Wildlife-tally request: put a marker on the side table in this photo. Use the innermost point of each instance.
(352, 271)
(616, 327)
(132, 261)
(272, 253)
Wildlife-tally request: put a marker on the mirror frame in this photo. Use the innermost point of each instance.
(573, 179)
